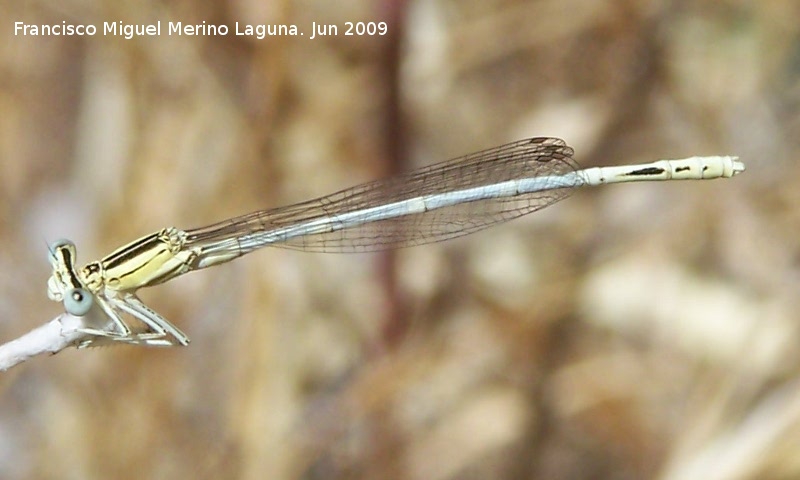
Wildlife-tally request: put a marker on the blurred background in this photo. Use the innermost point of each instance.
(634, 331)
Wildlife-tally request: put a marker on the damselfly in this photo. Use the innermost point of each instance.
(435, 203)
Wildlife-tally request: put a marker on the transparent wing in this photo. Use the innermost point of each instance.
(534, 157)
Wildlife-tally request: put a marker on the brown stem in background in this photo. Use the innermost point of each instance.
(395, 141)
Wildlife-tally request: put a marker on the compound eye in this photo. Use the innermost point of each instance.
(60, 249)
(77, 301)
(61, 242)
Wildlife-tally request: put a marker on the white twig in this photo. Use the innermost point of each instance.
(52, 337)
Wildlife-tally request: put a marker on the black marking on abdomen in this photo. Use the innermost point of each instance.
(647, 171)
(682, 169)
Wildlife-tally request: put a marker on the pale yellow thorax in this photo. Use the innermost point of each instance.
(148, 261)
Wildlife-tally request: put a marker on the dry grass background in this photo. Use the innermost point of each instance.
(638, 331)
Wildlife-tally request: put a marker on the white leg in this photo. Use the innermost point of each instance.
(160, 332)
(123, 332)
(161, 328)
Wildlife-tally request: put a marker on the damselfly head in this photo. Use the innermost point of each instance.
(64, 285)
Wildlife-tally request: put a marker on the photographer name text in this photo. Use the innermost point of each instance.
(259, 31)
